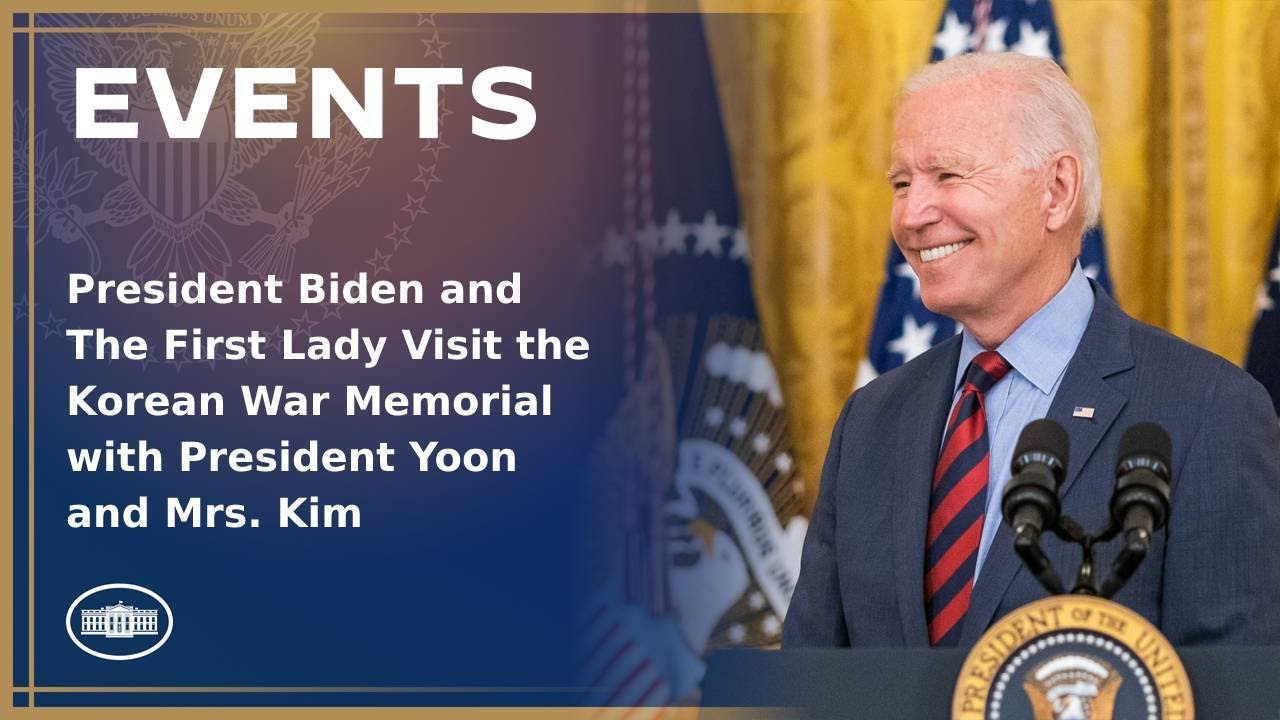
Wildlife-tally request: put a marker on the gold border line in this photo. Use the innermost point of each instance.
(189, 30)
(7, 330)
(469, 7)
(297, 689)
(31, 360)
(414, 713)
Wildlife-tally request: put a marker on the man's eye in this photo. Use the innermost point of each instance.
(947, 176)
(900, 185)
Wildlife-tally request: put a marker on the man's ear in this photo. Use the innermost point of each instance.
(1064, 191)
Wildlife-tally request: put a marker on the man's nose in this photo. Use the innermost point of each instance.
(918, 207)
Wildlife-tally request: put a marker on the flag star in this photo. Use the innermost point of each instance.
(399, 235)
(413, 205)
(426, 19)
(20, 308)
(148, 359)
(783, 463)
(904, 270)
(715, 416)
(756, 600)
(1032, 42)
(426, 176)
(211, 362)
(914, 340)
(994, 40)
(953, 38)
(740, 249)
(178, 361)
(674, 233)
(434, 146)
(738, 427)
(1091, 271)
(275, 338)
(708, 234)
(760, 443)
(1275, 276)
(1262, 301)
(333, 309)
(770, 624)
(615, 250)
(737, 633)
(304, 324)
(434, 45)
(797, 488)
(380, 262)
(649, 237)
(52, 325)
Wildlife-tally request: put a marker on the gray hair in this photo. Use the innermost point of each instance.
(1052, 113)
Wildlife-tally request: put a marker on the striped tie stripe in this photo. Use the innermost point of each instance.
(957, 503)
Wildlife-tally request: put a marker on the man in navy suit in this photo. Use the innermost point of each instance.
(996, 178)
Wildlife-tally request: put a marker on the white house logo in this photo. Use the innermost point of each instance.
(119, 621)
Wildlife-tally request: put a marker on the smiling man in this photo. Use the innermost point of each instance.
(995, 175)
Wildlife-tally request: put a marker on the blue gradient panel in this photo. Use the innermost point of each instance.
(468, 581)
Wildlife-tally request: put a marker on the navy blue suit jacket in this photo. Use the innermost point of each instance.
(1213, 576)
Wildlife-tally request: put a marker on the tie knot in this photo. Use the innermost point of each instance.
(986, 370)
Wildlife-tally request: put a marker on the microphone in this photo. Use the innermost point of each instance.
(1141, 499)
(1140, 503)
(1030, 502)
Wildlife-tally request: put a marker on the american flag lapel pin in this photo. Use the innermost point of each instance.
(1082, 412)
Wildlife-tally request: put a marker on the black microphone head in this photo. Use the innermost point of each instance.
(1141, 445)
(1042, 441)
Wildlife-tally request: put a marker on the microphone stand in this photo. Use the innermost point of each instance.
(1137, 543)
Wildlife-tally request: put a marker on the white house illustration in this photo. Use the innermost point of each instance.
(119, 621)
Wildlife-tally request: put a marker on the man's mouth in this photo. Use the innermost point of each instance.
(938, 253)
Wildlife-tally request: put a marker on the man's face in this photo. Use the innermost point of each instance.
(969, 219)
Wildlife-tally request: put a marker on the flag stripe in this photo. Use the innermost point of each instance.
(604, 671)
(635, 672)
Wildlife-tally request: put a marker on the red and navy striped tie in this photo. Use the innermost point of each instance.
(959, 503)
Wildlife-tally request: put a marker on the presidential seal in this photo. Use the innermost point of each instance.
(1072, 657)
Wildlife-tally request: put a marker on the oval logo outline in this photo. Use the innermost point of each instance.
(119, 586)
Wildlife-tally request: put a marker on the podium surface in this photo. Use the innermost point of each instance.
(1229, 683)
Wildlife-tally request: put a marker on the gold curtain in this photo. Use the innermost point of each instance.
(1186, 96)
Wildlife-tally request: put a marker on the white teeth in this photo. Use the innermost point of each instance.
(940, 252)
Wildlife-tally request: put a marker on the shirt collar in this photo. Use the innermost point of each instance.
(1042, 345)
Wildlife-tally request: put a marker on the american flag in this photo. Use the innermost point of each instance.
(1264, 348)
(903, 327)
(702, 513)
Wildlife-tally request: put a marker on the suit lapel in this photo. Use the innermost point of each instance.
(918, 429)
(1105, 350)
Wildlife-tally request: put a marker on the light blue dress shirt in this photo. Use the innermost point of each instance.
(1039, 351)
